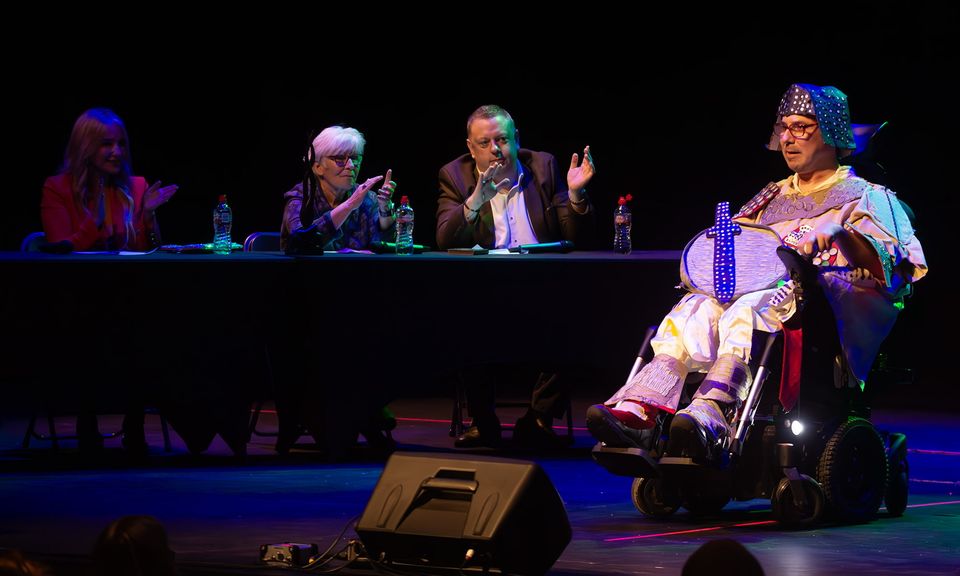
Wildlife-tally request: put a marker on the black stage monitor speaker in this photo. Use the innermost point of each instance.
(453, 512)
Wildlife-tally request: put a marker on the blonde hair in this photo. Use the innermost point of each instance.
(85, 138)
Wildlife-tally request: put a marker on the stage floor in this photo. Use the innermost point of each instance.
(219, 510)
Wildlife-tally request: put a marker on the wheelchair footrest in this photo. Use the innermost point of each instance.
(678, 461)
(634, 462)
(687, 470)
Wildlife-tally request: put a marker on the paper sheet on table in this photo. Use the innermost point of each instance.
(113, 252)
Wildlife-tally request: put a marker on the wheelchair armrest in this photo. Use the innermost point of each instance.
(803, 274)
(801, 270)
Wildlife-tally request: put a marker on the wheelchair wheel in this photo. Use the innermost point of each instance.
(788, 513)
(899, 478)
(853, 471)
(653, 498)
(703, 501)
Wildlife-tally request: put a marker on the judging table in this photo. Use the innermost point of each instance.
(209, 331)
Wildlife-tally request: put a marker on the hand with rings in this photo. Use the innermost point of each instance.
(385, 193)
(356, 198)
(488, 185)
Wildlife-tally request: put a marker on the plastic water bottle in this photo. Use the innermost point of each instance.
(404, 227)
(222, 222)
(622, 224)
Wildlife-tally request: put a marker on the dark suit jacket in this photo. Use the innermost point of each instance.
(544, 193)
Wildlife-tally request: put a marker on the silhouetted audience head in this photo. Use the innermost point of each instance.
(722, 556)
(133, 546)
(14, 563)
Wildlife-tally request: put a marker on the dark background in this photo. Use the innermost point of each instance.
(676, 108)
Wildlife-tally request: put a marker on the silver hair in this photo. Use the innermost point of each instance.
(338, 140)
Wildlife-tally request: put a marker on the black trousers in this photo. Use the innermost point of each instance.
(549, 397)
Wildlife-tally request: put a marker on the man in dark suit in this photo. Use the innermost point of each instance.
(480, 191)
(502, 196)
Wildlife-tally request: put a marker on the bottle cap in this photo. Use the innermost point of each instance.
(404, 200)
(223, 198)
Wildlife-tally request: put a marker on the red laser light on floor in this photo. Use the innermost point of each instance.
(743, 525)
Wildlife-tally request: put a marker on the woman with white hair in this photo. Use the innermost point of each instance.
(330, 211)
(328, 207)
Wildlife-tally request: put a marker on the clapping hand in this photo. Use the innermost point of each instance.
(155, 196)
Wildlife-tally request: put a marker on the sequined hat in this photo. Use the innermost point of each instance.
(825, 103)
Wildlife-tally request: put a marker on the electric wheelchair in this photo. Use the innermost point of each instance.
(820, 460)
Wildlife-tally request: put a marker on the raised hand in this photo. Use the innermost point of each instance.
(155, 196)
(488, 184)
(385, 193)
(579, 173)
(356, 199)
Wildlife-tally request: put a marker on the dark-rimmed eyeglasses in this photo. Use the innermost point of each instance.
(799, 130)
(341, 159)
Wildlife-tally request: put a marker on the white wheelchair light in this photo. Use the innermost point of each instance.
(796, 427)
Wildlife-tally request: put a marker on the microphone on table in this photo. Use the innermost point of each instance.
(381, 247)
(562, 247)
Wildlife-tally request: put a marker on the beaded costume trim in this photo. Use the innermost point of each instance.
(793, 207)
(759, 201)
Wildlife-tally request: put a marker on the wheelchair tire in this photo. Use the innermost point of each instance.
(652, 498)
(786, 511)
(853, 471)
(704, 501)
(898, 482)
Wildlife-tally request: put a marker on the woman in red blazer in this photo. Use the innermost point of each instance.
(95, 202)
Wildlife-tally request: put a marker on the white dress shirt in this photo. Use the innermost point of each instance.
(511, 222)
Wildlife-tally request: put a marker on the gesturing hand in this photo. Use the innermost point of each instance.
(488, 184)
(356, 199)
(155, 196)
(580, 173)
(385, 193)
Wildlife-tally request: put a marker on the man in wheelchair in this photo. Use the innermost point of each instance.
(854, 232)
